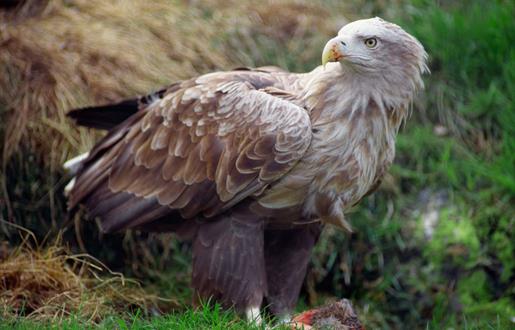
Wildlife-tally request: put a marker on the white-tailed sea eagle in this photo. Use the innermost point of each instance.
(251, 163)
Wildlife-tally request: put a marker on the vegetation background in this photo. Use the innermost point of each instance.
(433, 249)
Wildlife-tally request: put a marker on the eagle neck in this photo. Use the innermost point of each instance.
(333, 93)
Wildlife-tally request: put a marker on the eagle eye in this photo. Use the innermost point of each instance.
(370, 42)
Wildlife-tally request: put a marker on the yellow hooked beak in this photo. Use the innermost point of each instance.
(332, 51)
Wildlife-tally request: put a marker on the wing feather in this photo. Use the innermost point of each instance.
(199, 149)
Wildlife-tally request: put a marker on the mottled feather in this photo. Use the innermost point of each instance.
(217, 139)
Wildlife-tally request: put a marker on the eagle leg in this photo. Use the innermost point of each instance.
(287, 254)
(228, 260)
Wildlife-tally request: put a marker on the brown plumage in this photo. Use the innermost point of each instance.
(252, 162)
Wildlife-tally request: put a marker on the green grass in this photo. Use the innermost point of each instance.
(204, 318)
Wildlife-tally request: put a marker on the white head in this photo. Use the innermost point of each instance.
(381, 53)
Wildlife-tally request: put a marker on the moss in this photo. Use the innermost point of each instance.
(504, 247)
(455, 240)
(473, 289)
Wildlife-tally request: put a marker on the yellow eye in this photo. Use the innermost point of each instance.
(371, 42)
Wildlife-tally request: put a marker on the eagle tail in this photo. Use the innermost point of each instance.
(109, 116)
(105, 117)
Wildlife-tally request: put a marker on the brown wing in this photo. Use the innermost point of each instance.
(199, 149)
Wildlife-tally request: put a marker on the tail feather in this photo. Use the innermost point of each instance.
(90, 184)
(105, 117)
(73, 165)
(109, 116)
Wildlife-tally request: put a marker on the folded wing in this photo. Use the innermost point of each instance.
(199, 149)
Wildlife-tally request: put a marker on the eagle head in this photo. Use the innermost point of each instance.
(380, 54)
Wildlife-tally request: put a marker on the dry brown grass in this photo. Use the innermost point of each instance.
(51, 284)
